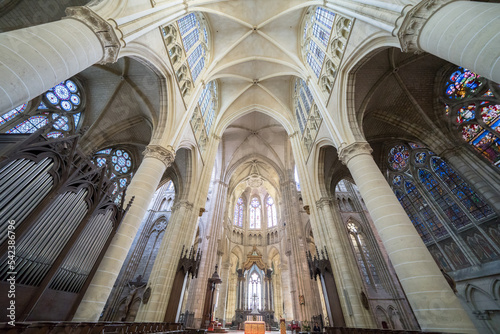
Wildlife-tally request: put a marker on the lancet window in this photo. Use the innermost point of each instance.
(187, 43)
(324, 39)
(254, 292)
(255, 213)
(448, 214)
(272, 221)
(62, 106)
(208, 104)
(308, 117)
(238, 212)
(363, 255)
(471, 104)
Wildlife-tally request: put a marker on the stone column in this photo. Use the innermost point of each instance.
(346, 273)
(462, 32)
(435, 305)
(179, 232)
(220, 313)
(37, 58)
(142, 188)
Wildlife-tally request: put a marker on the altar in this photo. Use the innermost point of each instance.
(255, 327)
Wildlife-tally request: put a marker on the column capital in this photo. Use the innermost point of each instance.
(413, 22)
(323, 201)
(185, 204)
(102, 29)
(347, 152)
(164, 154)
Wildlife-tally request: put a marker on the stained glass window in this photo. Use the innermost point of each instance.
(472, 106)
(254, 292)
(398, 157)
(194, 36)
(62, 105)
(438, 201)
(271, 213)
(238, 213)
(304, 102)
(363, 255)
(208, 104)
(255, 213)
(119, 168)
(317, 33)
(12, 113)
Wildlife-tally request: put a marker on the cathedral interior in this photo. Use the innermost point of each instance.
(326, 162)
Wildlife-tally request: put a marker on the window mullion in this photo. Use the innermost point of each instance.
(446, 223)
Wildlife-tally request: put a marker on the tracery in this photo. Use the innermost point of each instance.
(447, 213)
(62, 106)
(472, 106)
(119, 168)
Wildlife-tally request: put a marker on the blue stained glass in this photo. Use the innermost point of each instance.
(191, 40)
(61, 122)
(73, 88)
(321, 34)
(52, 98)
(314, 65)
(62, 92)
(123, 183)
(54, 134)
(428, 215)
(42, 106)
(457, 185)
(76, 118)
(414, 145)
(450, 208)
(199, 66)
(75, 99)
(462, 83)
(305, 101)
(195, 55)
(106, 151)
(30, 125)
(397, 180)
(325, 16)
(420, 157)
(315, 50)
(101, 162)
(12, 113)
(308, 91)
(410, 211)
(302, 114)
(65, 105)
(187, 23)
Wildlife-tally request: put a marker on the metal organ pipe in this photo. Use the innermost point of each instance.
(40, 247)
(23, 184)
(80, 260)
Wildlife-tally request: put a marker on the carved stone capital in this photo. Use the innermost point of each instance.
(165, 155)
(348, 152)
(182, 204)
(102, 29)
(323, 201)
(413, 22)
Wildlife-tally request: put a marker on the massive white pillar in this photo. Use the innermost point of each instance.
(435, 305)
(37, 58)
(142, 188)
(465, 33)
(179, 232)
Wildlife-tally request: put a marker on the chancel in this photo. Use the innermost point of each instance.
(335, 162)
